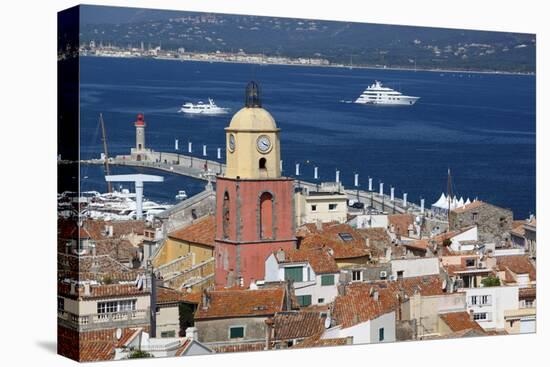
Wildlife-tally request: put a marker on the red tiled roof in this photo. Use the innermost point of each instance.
(296, 325)
(202, 232)
(241, 347)
(473, 205)
(100, 291)
(517, 264)
(93, 351)
(401, 223)
(518, 228)
(316, 341)
(458, 321)
(242, 303)
(319, 258)
(329, 236)
(375, 234)
(127, 336)
(169, 295)
(440, 238)
(417, 245)
(358, 305)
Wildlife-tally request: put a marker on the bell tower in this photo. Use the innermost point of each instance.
(254, 202)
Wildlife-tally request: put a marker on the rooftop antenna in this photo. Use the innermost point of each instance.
(105, 152)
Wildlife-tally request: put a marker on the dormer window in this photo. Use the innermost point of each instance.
(346, 237)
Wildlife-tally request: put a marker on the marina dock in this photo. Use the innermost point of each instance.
(207, 170)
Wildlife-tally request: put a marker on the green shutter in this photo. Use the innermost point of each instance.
(294, 273)
(304, 301)
(327, 279)
(236, 332)
(381, 334)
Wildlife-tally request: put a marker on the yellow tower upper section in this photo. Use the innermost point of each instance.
(252, 141)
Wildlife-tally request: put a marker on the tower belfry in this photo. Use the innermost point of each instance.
(252, 95)
(253, 201)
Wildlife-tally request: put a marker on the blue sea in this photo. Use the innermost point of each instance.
(481, 126)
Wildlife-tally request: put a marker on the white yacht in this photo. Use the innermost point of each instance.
(201, 108)
(376, 94)
(181, 195)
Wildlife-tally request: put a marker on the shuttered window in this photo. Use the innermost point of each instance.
(304, 300)
(236, 332)
(294, 273)
(327, 279)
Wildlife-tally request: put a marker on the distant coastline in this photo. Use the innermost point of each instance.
(205, 57)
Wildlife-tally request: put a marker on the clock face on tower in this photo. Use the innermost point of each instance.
(263, 144)
(231, 142)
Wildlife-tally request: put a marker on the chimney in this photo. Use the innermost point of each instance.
(192, 333)
(268, 333)
(280, 255)
(471, 315)
(73, 288)
(319, 225)
(87, 289)
(376, 296)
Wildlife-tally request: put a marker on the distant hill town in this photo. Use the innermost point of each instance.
(341, 43)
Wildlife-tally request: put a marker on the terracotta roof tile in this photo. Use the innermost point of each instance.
(473, 205)
(100, 291)
(296, 325)
(241, 347)
(517, 264)
(319, 258)
(169, 295)
(458, 321)
(242, 303)
(93, 351)
(127, 336)
(359, 305)
(330, 235)
(417, 245)
(202, 232)
(316, 341)
(401, 223)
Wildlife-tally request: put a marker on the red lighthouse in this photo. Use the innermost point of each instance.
(254, 203)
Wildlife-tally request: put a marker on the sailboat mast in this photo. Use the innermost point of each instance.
(449, 193)
(105, 152)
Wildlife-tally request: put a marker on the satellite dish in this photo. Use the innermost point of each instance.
(328, 321)
(118, 333)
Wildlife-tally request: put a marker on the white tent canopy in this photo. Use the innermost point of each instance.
(442, 204)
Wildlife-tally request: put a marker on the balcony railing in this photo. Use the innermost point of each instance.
(104, 320)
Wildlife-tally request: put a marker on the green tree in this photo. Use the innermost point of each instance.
(140, 354)
(490, 281)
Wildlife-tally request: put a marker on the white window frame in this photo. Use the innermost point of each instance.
(360, 276)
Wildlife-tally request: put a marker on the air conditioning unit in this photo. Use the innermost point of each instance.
(393, 278)
(383, 274)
